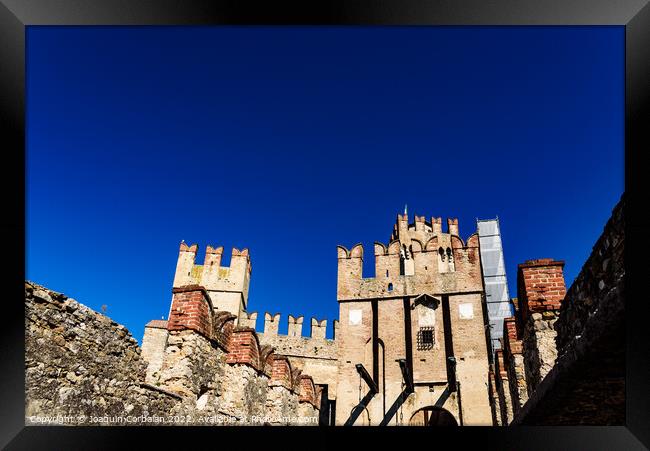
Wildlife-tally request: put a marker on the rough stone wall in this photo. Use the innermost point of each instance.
(81, 365)
(503, 384)
(514, 360)
(598, 287)
(518, 390)
(232, 383)
(228, 385)
(541, 288)
(586, 386)
(281, 404)
(154, 343)
(192, 365)
(539, 347)
(244, 396)
(314, 355)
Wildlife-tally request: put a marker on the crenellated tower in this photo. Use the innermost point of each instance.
(416, 332)
(419, 258)
(227, 286)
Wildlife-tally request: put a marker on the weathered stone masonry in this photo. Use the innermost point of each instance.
(540, 290)
(587, 383)
(571, 342)
(514, 358)
(79, 362)
(245, 387)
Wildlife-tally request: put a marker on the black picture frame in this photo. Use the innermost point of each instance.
(634, 15)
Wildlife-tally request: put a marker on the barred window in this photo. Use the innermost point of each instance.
(425, 339)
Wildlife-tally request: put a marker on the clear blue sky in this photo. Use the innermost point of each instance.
(290, 141)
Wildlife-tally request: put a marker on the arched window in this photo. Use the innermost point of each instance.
(450, 260)
(390, 287)
(442, 265)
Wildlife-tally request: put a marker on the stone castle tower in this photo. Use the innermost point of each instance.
(410, 346)
(226, 285)
(415, 333)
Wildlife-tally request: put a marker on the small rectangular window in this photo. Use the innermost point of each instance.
(425, 339)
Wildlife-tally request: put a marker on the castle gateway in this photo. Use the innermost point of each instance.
(410, 346)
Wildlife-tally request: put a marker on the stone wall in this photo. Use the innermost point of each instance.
(314, 355)
(540, 289)
(80, 364)
(514, 360)
(598, 287)
(153, 347)
(572, 341)
(225, 370)
(587, 383)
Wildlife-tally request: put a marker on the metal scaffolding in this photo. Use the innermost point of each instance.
(494, 276)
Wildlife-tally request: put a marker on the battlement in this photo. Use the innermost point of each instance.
(231, 281)
(318, 328)
(419, 258)
(212, 261)
(420, 228)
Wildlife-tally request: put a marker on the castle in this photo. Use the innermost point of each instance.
(410, 345)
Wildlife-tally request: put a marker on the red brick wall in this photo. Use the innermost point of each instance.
(244, 347)
(500, 364)
(281, 372)
(191, 309)
(307, 390)
(540, 286)
(511, 338)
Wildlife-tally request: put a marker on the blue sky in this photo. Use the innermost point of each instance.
(290, 141)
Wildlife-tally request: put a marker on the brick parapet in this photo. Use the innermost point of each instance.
(500, 364)
(540, 286)
(244, 348)
(191, 309)
(281, 373)
(157, 324)
(308, 391)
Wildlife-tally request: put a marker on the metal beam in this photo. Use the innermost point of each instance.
(406, 375)
(451, 361)
(366, 377)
